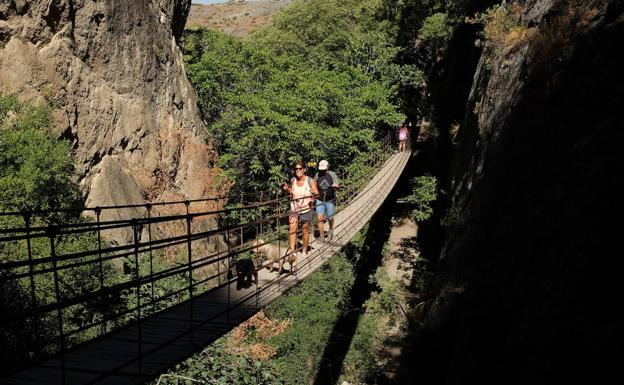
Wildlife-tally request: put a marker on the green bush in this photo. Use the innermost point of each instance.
(321, 82)
(313, 308)
(435, 28)
(36, 174)
(424, 193)
(35, 170)
(215, 365)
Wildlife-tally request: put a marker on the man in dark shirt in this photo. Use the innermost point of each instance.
(327, 183)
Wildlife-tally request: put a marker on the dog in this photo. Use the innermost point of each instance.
(246, 273)
(275, 254)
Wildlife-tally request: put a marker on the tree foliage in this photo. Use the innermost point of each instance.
(36, 174)
(35, 169)
(321, 82)
(424, 193)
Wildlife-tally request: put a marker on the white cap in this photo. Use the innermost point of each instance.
(323, 165)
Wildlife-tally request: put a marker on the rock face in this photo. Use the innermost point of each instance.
(528, 277)
(115, 74)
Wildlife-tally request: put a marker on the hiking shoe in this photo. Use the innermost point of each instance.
(330, 234)
(304, 255)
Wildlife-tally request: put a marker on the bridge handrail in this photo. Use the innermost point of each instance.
(27, 212)
(137, 248)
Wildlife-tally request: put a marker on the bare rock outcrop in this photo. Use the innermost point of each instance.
(114, 73)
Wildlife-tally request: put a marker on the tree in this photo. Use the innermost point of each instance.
(35, 170)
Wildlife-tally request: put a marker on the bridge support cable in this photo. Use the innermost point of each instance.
(179, 319)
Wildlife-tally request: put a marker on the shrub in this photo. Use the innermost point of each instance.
(435, 29)
(35, 170)
(36, 174)
(424, 194)
(501, 26)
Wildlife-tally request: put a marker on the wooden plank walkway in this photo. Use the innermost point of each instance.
(143, 350)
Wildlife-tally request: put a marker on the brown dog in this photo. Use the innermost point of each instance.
(275, 254)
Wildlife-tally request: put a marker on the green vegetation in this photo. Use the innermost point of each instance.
(35, 169)
(313, 309)
(36, 174)
(424, 194)
(320, 83)
(436, 29)
(360, 364)
(501, 26)
(283, 346)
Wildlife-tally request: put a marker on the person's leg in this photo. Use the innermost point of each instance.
(305, 229)
(321, 225)
(330, 208)
(292, 238)
(320, 216)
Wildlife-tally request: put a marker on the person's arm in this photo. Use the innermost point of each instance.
(336, 181)
(287, 188)
(314, 188)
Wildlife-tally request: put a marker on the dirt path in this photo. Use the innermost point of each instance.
(404, 230)
(400, 250)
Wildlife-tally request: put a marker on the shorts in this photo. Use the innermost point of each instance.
(328, 208)
(402, 136)
(301, 217)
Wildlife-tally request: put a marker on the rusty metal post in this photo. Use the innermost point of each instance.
(240, 220)
(189, 253)
(279, 238)
(258, 228)
(137, 277)
(57, 294)
(151, 256)
(31, 276)
(229, 251)
(98, 212)
(260, 213)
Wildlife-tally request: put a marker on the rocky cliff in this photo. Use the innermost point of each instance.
(528, 285)
(114, 73)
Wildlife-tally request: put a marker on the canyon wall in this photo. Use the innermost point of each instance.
(528, 283)
(114, 74)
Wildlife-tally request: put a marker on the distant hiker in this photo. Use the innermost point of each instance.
(403, 131)
(327, 183)
(303, 189)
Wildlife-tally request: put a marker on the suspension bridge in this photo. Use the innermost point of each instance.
(162, 323)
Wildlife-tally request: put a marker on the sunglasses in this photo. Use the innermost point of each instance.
(298, 168)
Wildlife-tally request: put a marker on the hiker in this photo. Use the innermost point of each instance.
(303, 190)
(327, 183)
(403, 130)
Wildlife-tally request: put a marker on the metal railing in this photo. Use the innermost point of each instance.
(199, 239)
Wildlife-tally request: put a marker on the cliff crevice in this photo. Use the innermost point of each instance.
(535, 179)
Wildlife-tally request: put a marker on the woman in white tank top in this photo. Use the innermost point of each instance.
(303, 191)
